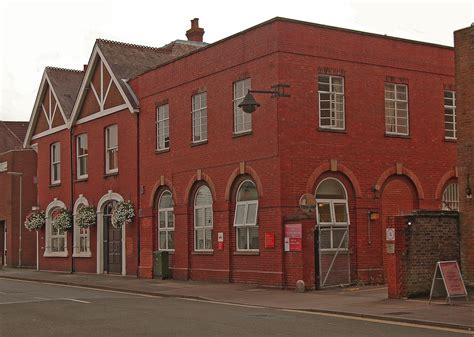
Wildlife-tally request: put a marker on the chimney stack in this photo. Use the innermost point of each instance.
(195, 33)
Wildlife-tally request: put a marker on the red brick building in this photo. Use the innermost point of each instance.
(464, 49)
(218, 188)
(16, 161)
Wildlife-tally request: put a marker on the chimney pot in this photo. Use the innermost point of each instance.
(195, 33)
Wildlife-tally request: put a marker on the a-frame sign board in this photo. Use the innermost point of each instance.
(447, 280)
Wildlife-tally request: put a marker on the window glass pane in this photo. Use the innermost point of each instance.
(251, 214)
(199, 239)
(330, 189)
(199, 212)
(247, 192)
(208, 238)
(170, 219)
(242, 237)
(253, 232)
(324, 212)
(162, 236)
(170, 239)
(166, 201)
(208, 217)
(162, 219)
(239, 217)
(203, 196)
(340, 212)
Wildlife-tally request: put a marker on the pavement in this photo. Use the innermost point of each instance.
(366, 302)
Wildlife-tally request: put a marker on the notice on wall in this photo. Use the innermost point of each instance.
(220, 241)
(269, 240)
(390, 234)
(3, 166)
(293, 237)
(448, 277)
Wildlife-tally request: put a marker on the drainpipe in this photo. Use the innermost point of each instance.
(71, 178)
(138, 192)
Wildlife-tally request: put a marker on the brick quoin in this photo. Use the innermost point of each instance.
(286, 147)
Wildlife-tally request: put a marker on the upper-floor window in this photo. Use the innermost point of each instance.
(55, 163)
(162, 127)
(396, 109)
(242, 120)
(450, 114)
(450, 199)
(203, 219)
(111, 149)
(331, 102)
(199, 114)
(166, 221)
(82, 154)
(245, 219)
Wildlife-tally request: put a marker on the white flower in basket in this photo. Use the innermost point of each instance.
(122, 214)
(62, 220)
(35, 220)
(86, 216)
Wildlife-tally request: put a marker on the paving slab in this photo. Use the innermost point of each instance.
(368, 301)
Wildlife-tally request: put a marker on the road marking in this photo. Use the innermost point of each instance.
(74, 300)
(20, 302)
(223, 303)
(382, 321)
(1, 292)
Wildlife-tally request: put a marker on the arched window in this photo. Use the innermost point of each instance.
(58, 236)
(56, 239)
(166, 221)
(81, 237)
(245, 219)
(203, 221)
(450, 199)
(332, 214)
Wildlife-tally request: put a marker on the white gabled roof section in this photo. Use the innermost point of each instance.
(94, 61)
(49, 113)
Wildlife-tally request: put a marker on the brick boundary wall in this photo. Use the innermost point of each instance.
(421, 239)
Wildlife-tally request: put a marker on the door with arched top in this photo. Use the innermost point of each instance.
(112, 242)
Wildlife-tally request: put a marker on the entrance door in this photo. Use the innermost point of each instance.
(333, 234)
(112, 243)
(3, 243)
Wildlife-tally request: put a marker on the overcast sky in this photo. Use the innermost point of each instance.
(61, 33)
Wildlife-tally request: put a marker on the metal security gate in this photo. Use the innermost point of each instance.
(332, 217)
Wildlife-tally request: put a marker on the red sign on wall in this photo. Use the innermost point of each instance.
(220, 246)
(293, 237)
(269, 240)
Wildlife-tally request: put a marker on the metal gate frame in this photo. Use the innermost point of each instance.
(322, 282)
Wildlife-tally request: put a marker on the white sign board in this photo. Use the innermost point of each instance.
(220, 237)
(3, 166)
(390, 234)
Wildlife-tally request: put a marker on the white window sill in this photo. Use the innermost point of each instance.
(82, 254)
(56, 254)
(250, 252)
(203, 251)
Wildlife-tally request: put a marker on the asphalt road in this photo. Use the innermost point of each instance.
(38, 309)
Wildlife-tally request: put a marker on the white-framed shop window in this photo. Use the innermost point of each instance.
(331, 102)
(242, 120)
(199, 115)
(111, 149)
(82, 156)
(55, 163)
(450, 198)
(203, 219)
(450, 114)
(162, 127)
(396, 109)
(332, 215)
(166, 221)
(245, 218)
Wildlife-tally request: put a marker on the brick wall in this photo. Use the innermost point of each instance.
(421, 240)
(464, 46)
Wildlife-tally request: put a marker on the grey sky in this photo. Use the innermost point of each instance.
(61, 33)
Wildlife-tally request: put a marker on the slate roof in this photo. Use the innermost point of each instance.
(66, 84)
(12, 135)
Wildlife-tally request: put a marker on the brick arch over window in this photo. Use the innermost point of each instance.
(388, 173)
(448, 176)
(158, 187)
(322, 169)
(248, 171)
(189, 189)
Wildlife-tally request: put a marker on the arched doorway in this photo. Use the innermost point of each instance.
(332, 217)
(112, 242)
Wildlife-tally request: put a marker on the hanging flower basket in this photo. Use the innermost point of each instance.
(122, 214)
(62, 220)
(86, 216)
(35, 220)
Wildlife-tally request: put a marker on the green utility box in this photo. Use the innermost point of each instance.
(161, 265)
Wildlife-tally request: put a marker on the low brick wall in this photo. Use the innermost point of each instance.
(422, 239)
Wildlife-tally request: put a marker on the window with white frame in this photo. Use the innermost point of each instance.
(57, 237)
(450, 114)
(245, 219)
(82, 155)
(203, 219)
(450, 199)
(332, 215)
(111, 149)
(81, 237)
(396, 109)
(331, 102)
(242, 120)
(162, 127)
(166, 222)
(55, 163)
(199, 114)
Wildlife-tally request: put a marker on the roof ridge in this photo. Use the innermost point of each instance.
(133, 45)
(64, 69)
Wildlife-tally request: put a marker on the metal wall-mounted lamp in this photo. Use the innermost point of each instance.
(468, 188)
(249, 104)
